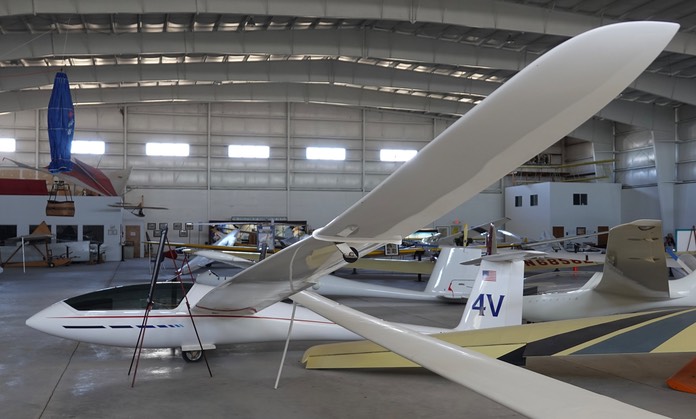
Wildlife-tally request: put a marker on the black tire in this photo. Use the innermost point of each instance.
(351, 259)
(192, 356)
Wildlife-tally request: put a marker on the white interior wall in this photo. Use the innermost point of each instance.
(528, 221)
(603, 206)
(555, 208)
(25, 210)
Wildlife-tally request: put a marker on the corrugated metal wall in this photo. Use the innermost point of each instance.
(209, 128)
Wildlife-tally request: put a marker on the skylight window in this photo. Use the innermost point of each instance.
(87, 147)
(8, 145)
(167, 149)
(326, 153)
(249, 151)
(387, 154)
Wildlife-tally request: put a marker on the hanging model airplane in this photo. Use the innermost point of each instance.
(136, 209)
(87, 177)
(542, 103)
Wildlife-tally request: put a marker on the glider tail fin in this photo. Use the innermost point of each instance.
(450, 279)
(496, 299)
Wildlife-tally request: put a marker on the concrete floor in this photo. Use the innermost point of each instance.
(47, 377)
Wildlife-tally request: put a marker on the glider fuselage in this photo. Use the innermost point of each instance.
(104, 317)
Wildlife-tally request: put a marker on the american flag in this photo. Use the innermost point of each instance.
(488, 275)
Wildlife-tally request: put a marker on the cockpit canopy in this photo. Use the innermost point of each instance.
(167, 295)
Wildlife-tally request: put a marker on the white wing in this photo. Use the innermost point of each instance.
(526, 115)
(524, 391)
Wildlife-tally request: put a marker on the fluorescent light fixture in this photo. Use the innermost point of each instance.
(8, 145)
(326, 153)
(249, 151)
(387, 154)
(87, 147)
(167, 149)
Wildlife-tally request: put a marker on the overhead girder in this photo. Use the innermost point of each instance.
(494, 14)
(596, 131)
(675, 88)
(644, 115)
(351, 43)
(306, 71)
(658, 118)
(246, 92)
(363, 44)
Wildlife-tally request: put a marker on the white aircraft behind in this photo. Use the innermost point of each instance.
(200, 261)
(635, 278)
(449, 280)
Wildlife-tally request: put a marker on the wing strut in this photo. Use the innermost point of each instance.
(287, 343)
(292, 322)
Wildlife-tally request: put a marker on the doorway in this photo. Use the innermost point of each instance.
(602, 238)
(133, 239)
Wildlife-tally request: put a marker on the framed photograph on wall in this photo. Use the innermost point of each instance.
(162, 226)
(151, 226)
(183, 233)
(579, 231)
(157, 233)
(176, 226)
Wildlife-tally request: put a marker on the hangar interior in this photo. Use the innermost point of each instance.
(205, 79)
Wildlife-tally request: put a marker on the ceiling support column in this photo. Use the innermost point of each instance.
(665, 143)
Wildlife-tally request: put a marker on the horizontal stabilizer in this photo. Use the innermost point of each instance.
(635, 262)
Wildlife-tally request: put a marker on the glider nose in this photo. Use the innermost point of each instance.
(35, 321)
(44, 320)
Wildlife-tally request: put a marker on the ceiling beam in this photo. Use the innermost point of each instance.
(306, 71)
(644, 115)
(364, 43)
(495, 14)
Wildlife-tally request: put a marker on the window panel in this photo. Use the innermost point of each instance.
(325, 153)
(87, 147)
(249, 151)
(8, 145)
(167, 149)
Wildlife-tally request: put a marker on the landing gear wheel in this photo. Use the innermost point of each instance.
(352, 257)
(192, 356)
